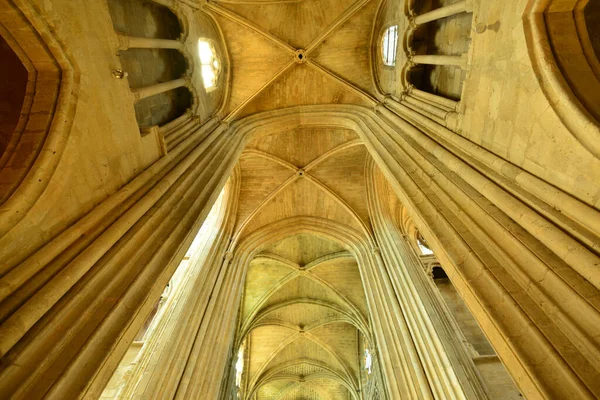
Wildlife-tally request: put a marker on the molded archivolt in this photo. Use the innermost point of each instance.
(302, 325)
(38, 141)
(566, 65)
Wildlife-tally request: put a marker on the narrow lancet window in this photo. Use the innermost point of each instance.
(368, 361)
(423, 246)
(389, 45)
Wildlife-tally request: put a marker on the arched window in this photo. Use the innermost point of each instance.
(389, 45)
(211, 65)
(423, 246)
(368, 361)
(239, 366)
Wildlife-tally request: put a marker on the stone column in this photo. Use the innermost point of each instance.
(142, 93)
(60, 343)
(459, 61)
(434, 99)
(430, 105)
(134, 42)
(443, 12)
(521, 253)
(401, 365)
(176, 123)
(450, 372)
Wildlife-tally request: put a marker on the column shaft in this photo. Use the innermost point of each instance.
(458, 61)
(442, 12)
(148, 91)
(434, 99)
(134, 42)
(435, 110)
(93, 326)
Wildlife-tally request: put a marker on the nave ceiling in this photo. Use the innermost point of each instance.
(264, 38)
(303, 313)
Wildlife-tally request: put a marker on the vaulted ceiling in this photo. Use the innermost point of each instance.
(303, 311)
(303, 314)
(264, 39)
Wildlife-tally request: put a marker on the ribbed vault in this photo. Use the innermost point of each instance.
(265, 39)
(303, 318)
(303, 321)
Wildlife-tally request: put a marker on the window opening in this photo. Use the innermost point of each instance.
(211, 65)
(239, 366)
(423, 246)
(368, 361)
(389, 45)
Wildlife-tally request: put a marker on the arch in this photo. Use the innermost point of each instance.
(566, 65)
(13, 94)
(346, 316)
(166, 23)
(38, 142)
(448, 184)
(275, 374)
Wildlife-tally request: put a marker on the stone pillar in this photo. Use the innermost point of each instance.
(118, 259)
(401, 365)
(134, 42)
(443, 12)
(521, 253)
(177, 122)
(434, 99)
(142, 93)
(431, 106)
(459, 61)
(450, 372)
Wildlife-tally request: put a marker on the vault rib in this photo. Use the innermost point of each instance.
(327, 285)
(290, 166)
(341, 201)
(327, 257)
(343, 17)
(335, 355)
(279, 189)
(361, 93)
(268, 83)
(357, 321)
(253, 315)
(244, 22)
(329, 373)
(257, 375)
(347, 377)
(275, 257)
(335, 150)
(287, 389)
(271, 157)
(256, 309)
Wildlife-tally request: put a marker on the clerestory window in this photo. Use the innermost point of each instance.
(239, 366)
(423, 246)
(389, 45)
(368, 361)
(211, 64)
